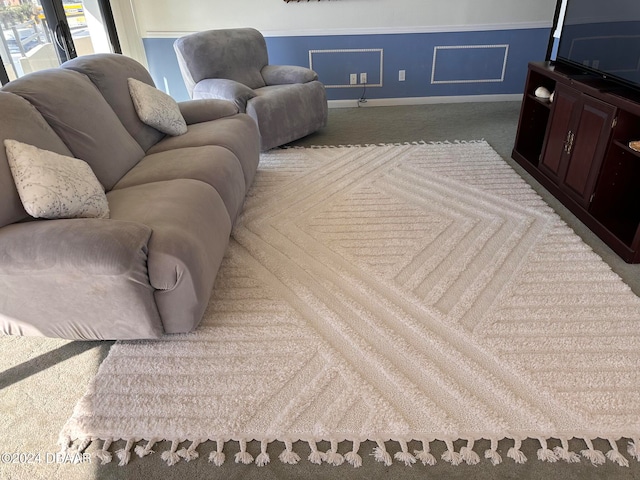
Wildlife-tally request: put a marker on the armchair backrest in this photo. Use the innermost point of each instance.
(236, 54)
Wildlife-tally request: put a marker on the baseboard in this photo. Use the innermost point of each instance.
(391, 102)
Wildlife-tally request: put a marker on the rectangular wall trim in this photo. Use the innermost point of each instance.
(349, 51)
(470, 61)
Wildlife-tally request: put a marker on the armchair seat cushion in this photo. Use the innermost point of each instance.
(288, 112)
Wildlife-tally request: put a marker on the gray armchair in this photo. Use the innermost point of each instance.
(287, 102)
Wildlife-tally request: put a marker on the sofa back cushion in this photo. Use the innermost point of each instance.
(109, 72)
(236, 54)
(19, 120)
(83, 119)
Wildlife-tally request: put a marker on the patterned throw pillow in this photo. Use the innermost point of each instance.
(156, 108)
(51, 185)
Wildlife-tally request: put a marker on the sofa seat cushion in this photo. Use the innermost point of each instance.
(190, 231)
(85, 122)
(278, 110)
(214, 165)
(79, 279)
(237, 133)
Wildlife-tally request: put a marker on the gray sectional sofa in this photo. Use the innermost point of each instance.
(149, 268)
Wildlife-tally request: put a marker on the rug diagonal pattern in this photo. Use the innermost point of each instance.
(398, 293)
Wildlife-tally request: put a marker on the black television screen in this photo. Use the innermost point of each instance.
(603, 37)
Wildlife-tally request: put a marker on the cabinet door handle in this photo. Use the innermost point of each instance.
(570, 147)
(568, 144)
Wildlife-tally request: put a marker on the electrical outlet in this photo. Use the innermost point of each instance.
(353, 79)
(363, 78)
(401, 75)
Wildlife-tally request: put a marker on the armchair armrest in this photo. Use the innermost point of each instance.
(284, 74)
(205, 110)
(224, 89)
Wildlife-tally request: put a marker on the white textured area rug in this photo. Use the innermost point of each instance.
(408, 293)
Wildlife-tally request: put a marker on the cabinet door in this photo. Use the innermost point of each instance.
(564, 115)
(578, 137)
(587, 148)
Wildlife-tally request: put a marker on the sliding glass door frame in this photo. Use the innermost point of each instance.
(60, 32)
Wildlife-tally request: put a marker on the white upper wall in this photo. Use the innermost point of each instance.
(276, 17)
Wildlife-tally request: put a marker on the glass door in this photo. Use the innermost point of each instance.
(39, 34)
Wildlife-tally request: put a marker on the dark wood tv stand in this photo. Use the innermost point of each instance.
(577, 147)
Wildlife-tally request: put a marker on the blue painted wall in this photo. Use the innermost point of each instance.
(436, 64)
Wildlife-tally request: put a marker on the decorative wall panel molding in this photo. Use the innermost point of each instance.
(481, 64)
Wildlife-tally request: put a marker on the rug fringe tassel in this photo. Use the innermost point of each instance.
(468, 455)
(515, 452)
(451, 456)
(425, 455)
(315, 456)
(147, 449)
(79, 447)
(243, 456)
(634, 448)
(288, 456)
(104, 455)
(563, 452)
(380, 454)
(404, 456)
(171, 456)
(263, 458)
(353, 457)
(492, 454)
(190, 453)
(544, 453)
(596, 457)
(217, 457)
(615, 456)
(124, 454)
(332, 457)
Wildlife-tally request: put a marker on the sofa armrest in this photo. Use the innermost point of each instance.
(105, 247)
(224, 89)
(286, 74)
(78, 279)
(205, 110)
